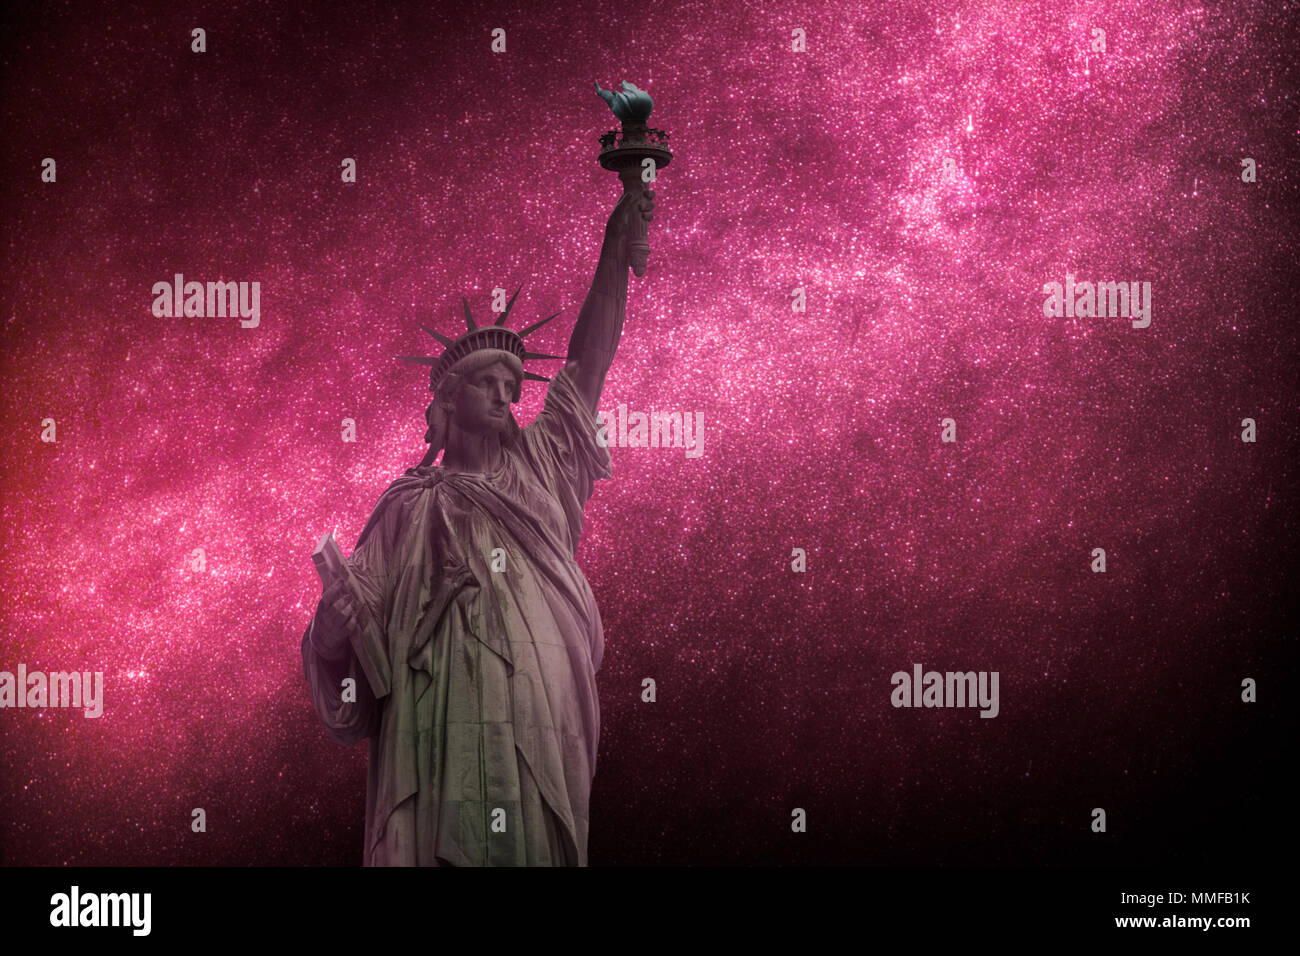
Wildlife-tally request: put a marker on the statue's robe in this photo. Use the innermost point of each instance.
(477, 687)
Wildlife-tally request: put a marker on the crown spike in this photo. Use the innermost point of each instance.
(537, 325)
(492, 336)
(501, 319)
(437, 335)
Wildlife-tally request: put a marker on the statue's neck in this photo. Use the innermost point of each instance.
(468, 452)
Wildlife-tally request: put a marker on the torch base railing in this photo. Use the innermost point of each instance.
(632, 144)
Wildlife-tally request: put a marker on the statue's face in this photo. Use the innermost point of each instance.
(483, 402)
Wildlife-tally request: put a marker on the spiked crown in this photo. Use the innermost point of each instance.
(477, 338)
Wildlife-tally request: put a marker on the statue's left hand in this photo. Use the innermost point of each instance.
(627, 228)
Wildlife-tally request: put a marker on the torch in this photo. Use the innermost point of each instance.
(636, 152)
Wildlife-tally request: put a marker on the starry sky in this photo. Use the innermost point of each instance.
(822, 170)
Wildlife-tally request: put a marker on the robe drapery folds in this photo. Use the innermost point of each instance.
(476, 687)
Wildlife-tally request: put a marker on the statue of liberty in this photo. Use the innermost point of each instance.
(460, 636)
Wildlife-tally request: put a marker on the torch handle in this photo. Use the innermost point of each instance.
(638, 235)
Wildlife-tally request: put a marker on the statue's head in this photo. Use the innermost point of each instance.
(476, 379)
(479, 390)
(476, 394)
